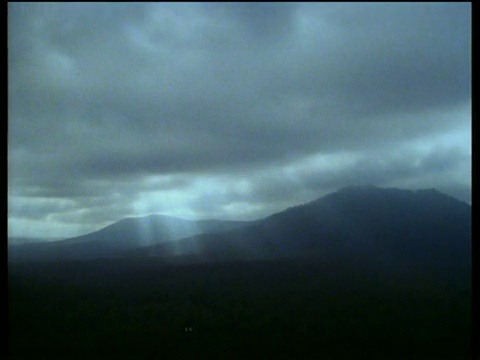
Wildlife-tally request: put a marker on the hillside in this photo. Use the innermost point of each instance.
(375, 225)
(115, 239)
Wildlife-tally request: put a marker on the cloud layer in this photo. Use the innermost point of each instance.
(230, 110)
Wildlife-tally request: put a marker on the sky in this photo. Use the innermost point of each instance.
(229, 110)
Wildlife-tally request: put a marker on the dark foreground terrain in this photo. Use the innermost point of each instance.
(141, 308)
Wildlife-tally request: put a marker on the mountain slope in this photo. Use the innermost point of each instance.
(126, 234)
(369, 224)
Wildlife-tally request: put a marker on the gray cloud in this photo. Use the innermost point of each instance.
(104, 98)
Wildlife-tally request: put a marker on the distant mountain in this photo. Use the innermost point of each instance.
(16, 240)
(358, 225)
(113, 240)
(364, 224)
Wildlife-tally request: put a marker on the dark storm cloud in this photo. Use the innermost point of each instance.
(105, 98)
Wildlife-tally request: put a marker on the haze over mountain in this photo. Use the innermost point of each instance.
(126, 234)
(18, 240)
(363, 223)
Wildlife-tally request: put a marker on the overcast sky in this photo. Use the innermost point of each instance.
(229, 111)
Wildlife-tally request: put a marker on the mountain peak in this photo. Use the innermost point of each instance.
(353, 190)
(362, 190)
(363, 187)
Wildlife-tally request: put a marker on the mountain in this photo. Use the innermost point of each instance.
(14, 241)
(358, 225)
(366, 224)
(363, 272)
(113, 240)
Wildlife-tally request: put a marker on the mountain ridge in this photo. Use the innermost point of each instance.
(425, 228)
(126, 234)
(366, 222)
